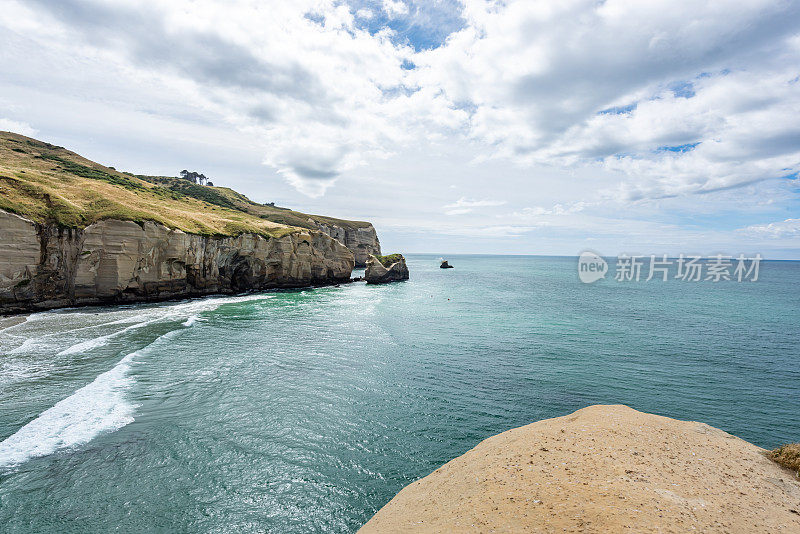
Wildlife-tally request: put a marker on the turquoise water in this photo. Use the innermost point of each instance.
(306, 411)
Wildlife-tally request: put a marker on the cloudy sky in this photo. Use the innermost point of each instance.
(527, 127)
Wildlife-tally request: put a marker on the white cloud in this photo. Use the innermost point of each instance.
(580, 113)
(395, 8)
(365, 13)
(323, 96)
(320, 95)
(17, 127)
(720, 77)
(467, 205)
(557, 209)
(786, 228)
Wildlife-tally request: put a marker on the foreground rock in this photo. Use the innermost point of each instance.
(46, 266)
(602, 469)
(384, 269)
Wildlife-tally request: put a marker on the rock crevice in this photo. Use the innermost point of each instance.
(362, 241)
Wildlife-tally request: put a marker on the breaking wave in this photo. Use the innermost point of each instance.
(98, 407)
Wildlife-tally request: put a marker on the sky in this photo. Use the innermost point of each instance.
(454, 126)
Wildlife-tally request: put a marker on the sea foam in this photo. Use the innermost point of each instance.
(98, 407)
(25, 347)
(93, 343)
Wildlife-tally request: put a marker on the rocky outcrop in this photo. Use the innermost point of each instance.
(379, 273)
(46, 266)
(362, 241)
(602, 469)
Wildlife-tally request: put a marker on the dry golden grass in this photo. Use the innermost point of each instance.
(788, 456)
(50, 184)
(226, 197)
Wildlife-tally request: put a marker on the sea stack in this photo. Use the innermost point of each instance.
(384, 269)
(445, 265)
(602, 469)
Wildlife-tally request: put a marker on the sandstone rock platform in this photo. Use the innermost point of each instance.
(602, 469)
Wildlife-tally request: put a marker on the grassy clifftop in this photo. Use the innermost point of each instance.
(49, 184)
(227, 197)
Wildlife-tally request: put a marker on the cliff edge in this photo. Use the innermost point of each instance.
(601, 469)
(75, 232)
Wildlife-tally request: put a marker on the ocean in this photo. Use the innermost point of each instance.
(307, 410)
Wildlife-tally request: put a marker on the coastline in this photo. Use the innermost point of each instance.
(23, 313)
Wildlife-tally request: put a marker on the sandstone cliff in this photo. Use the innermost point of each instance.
(602, 469)
(384, 269)
(73, 231)
(362, 241)
(45, 266)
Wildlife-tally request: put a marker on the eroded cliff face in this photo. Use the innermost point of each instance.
(44, 266)
(361, 241)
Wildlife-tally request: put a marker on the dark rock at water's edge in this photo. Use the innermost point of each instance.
(384, 269)
(445, 265)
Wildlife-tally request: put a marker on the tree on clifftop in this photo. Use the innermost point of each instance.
(194, 177)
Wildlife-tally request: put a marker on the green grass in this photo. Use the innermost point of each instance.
(184, 188)
(388, 259)
(94, 174)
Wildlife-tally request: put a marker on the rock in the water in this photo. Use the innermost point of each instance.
(383, 269)
(445, 265)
